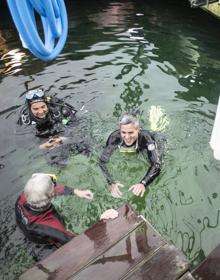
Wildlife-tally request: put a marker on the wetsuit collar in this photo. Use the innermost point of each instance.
(35, 209)
(128, 148)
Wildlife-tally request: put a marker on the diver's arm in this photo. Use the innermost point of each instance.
(154, 169)
(64, 190)
(106, 154)
(110, 147)
(114, 186)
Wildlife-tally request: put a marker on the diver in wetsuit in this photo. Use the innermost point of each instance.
(35, 214)
(39, 220)
(47, 115)
(130, 138)
(54, 123)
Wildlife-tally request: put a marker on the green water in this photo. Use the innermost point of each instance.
(161, 58)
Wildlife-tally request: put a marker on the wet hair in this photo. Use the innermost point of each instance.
(38, 190)
(129, 118)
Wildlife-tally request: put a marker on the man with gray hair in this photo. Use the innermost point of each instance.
(130, 138)
(36, 215)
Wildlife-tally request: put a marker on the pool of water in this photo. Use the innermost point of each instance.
(159, 58)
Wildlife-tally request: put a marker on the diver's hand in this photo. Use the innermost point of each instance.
(109, 214)
(46, 145)
(83, 193)
(115, 190)
(138, 189)
(52, 143)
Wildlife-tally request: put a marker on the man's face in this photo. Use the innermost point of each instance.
(39, 109)
(129, 133)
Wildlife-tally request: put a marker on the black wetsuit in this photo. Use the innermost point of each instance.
(144, 144)
(60, 114)
(60, 121)
(44, 227)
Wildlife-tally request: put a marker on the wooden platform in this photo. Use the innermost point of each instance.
(209, 269)
(125, 248)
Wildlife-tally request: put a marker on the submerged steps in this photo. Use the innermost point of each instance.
(125, 248)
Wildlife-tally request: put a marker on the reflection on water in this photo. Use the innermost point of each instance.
(161, 59)
(13, 60)
(158, 119)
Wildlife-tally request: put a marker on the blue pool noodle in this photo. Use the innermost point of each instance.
(55, 25)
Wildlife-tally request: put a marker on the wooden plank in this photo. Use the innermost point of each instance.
(187, 276)
(74, 255)
(209, 269)
(166, 264)
(123, 256)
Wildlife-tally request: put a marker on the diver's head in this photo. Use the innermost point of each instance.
(39, 191)
(129, 128)
(37, 103)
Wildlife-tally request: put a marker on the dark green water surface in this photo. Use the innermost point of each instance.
(161, 58)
